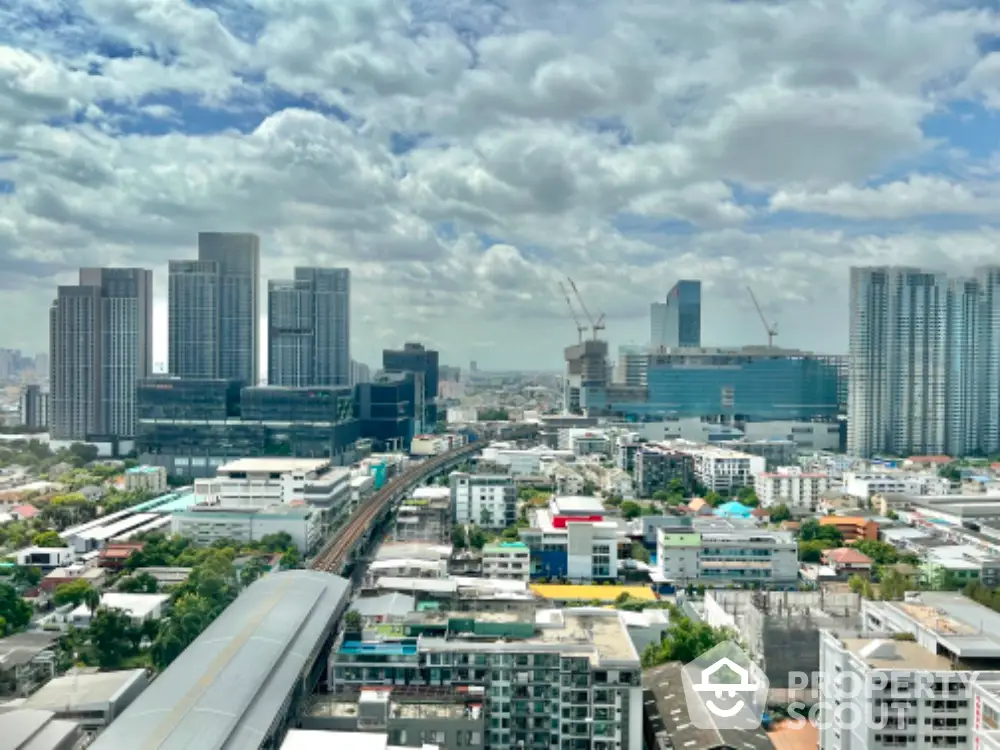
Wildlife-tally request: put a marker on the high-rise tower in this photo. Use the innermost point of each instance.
(101, 345)
(309, 328)
(677, 322)
(214, 309)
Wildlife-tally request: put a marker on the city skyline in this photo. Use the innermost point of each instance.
(490, 151)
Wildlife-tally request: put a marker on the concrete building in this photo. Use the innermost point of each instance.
(146, 479)
(139, 607)
(632, 368)
(854, 528)
(406, 717)
(563, 676)
(101, 344)
(723, 553)
(309, 328)
(33, 407)
(863, 485)
(782, 628)
(214, 309)
(791, 486)
(240, 683)
(486, 500)
(46, 559)
(27, 661)
(93, 700)
(27, 729)
(721, 469)
(658, 467)
(586, 368)
(263, 482)
(571, 540)
(207, 524)
(507, 560)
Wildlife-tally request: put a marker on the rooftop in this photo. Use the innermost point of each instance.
(83, 692)
(889, 654)
(274, 465)
(569, 593)
(585, 504)
(136, 605)
(226, 688)
(21, 648)
(29, 729)
(667, 715)
(966, 628)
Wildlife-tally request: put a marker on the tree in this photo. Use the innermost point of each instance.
(684, 641)
(143, 583)
(881, 553)
(73, 593)
(748, 496)
(27, 576)
(630, 509)
(813, 530)
(92, 598)
(589, 488)
(893, 585)
(493, 414)
(812, 552)
(780, 513)
(860, 585)
(81, 454)
(713, 498)
(352, 621)
(950, 472)
(661, 496)
(458, 537)
(486, 516)
(477, 538)
(280, 542)
(112, 637)
(14, 611)
(639, 552)
(47, 539)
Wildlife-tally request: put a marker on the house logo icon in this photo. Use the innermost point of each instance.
(725, 689)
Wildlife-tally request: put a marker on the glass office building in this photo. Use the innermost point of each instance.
(755, 387)
(677, 322)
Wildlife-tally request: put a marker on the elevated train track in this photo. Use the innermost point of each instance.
(336, 553)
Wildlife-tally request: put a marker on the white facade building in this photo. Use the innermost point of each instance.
(486, 500)
(263, 482)
(720, 553)
(207, 524)
(140, 607)
(147, 479)
(791, 486)
(526, 461)
(864, 485)
(507, 561)
(721, 468)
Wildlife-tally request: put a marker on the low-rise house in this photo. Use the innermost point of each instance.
(116, 554)
(94, 576)
(140, 607)
(27, 660)
(847, 561)
(45, 559)
(854, 528)
(93, 700)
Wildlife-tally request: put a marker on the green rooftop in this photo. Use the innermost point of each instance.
(682, 540)
(500, 547)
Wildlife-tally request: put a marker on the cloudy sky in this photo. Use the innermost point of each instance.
(462, 156)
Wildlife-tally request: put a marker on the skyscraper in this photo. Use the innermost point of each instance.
(101, 345)
(415, 358)
(309, 327)
(214, 309)
(920, 343)
(677, 322)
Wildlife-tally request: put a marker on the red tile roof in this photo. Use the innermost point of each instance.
(26, 511)
(847, 556)
(930, 459)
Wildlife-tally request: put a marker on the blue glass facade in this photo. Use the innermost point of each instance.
(683, 314)
(752, 387)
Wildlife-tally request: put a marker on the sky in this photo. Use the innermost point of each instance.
(462, 157)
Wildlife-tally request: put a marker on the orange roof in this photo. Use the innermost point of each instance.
(26, 511)
(847, 556)
(846, 520)
(698, 503)
(930, 459)
(794, 735)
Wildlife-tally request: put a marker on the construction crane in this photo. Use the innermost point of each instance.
(595, 325)
(580, 327)
(771, 328)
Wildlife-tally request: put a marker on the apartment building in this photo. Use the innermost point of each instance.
(863, 485)
(147, 479)
(718, 552)
(657, 467)
(854, 528)
(721, 469)
(507, 561)
(486, 500)
(791, 486)
(911, 696)
(567, 679)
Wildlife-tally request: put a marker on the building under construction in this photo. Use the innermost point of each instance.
(781, 628)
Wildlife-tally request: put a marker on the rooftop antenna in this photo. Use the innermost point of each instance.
(771, 328)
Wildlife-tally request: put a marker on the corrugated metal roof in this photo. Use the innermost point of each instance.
(225, 690)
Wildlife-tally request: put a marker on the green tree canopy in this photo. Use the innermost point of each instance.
(779, 513)
(882, 553)
(14, 611)
(73, 593)
(47, 539)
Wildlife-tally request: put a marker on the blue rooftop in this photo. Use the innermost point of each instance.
(395, 648)
(169, 503)
(734, 509)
